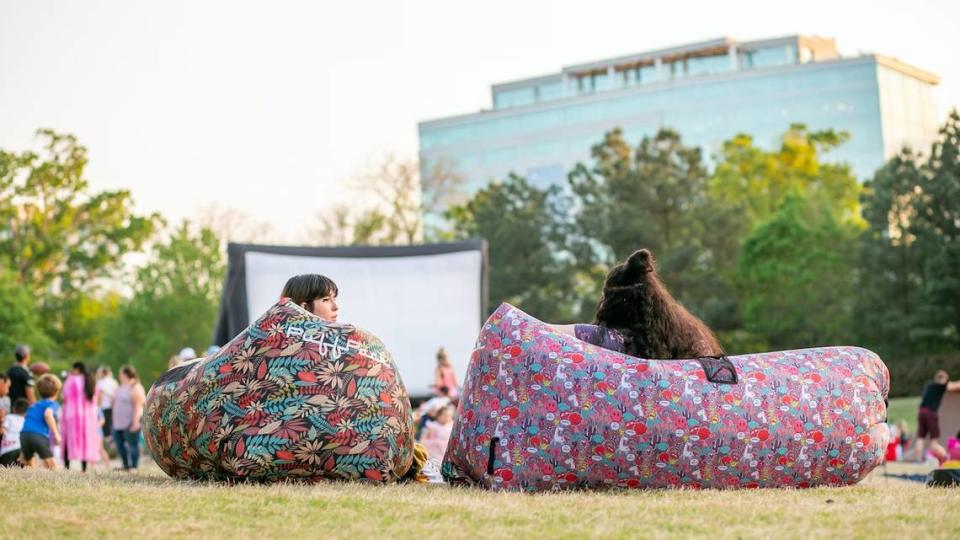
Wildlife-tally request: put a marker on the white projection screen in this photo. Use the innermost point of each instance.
(415, 298)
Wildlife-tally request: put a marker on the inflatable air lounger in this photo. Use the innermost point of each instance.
(545, 411)
(292, 396)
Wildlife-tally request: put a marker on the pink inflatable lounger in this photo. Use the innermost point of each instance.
(545, 411)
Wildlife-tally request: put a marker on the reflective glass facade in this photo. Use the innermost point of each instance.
(714, 98)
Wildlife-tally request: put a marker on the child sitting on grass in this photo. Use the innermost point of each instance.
(436, 434)
(12, 426)
(40, 425)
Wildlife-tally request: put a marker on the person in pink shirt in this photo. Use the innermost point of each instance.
(445, 379)
(79, 422)
(953, 448)
(436, 434)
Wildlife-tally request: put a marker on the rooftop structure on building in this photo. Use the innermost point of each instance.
(709, 91)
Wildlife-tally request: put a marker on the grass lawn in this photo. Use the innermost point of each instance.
(68, 504)
(904, 409)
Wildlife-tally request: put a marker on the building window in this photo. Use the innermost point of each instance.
(678, 69)
(771, 56)
(647, 74)
(585, 84)
(593, 82)
(548, 91)
(703, 65)
(514, 98)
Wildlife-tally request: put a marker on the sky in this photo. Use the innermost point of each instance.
(273, 108)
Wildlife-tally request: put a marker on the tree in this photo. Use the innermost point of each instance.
(655, 196)
(911, 289)
(640, 198)
(758, 181)
(79, 322)
(795, 275)
(175, 302)
(405, 207)
(396, 184)
(58, 234)
(232, 225)
(890, 280)
(747, 190)
(521, 224)
(937, 230)
(60, 240)
(343, 225)
(19, 319)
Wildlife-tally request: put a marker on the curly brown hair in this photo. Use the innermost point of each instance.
(653, 324)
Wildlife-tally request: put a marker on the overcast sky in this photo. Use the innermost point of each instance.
(271, 107)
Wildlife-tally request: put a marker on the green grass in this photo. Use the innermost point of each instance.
(111, 505)
(904, 409)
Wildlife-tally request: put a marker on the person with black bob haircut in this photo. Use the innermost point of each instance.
(314, 293)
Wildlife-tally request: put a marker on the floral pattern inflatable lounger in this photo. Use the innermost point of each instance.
(543, 411)
(290, 397)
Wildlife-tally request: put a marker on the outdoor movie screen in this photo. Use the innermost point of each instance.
(414, 298)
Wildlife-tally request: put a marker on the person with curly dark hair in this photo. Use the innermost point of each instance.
(638, 316)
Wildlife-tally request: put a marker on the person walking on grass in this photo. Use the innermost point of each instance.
(79, 419)
(127, 413)
(40, 424)
(928, 423)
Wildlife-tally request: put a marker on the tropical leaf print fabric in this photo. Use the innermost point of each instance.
(545, 411)
(292, 396)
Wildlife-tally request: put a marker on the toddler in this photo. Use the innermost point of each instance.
(40, 424)
(12, 425)
(437, 433)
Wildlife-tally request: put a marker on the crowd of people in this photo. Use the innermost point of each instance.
(78, 418)
(434, 417)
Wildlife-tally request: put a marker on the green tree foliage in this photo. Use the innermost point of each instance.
(890, 294)
(937, 228)
(754, 185)
(641, 197)
(758, 181)
(174, 305)
(59, 234)
(60, 239)
(910, 285)
(796, 278)
(523, 227)
(655, 196)
(19, 318)
(78, 323)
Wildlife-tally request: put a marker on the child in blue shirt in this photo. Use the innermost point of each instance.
(40, 423)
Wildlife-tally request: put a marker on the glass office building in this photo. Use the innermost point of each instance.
(708, 92)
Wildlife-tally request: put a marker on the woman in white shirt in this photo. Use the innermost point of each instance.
(107, 387)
